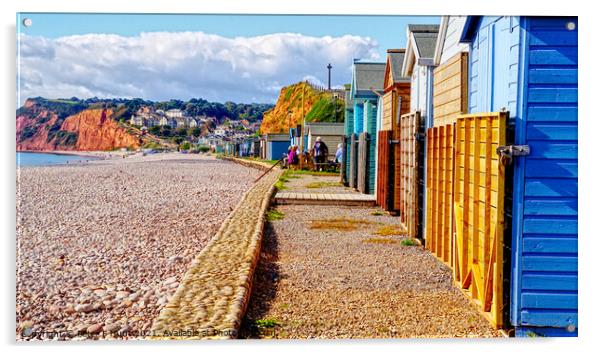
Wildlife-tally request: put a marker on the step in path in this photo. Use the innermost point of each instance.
(213, 294)
(348, 199)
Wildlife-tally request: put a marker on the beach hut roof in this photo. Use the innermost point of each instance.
(325, 128)
(423, 28)
(395, 66)
(425, 44)
(422, 40)
(469, 30)
(367, 76)
(278, 137)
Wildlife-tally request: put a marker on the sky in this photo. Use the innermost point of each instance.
(240, 58)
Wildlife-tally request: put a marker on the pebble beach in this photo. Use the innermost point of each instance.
(102, 246)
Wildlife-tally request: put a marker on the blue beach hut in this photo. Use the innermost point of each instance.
(367, 78)
(527, 66)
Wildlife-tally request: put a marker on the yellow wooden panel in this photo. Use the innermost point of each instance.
(450, 90)
(478, 216)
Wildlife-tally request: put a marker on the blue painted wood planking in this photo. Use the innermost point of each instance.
(547, 244)
(542, 281)
(550, 168)
(555, 94)
(536, 300)
(552, 150)
(526, 331)
(554, 56)
(551, 226)
(549, 206)
(553, 76)
(557, 318)
(554, 38)
(551, 131)
(552, 113)
(358, 118)
(552, 263)
(551, 187)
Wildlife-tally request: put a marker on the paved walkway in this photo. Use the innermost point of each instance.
(213, 294)
(325, 198)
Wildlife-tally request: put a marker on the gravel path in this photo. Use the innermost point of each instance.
(306, 183)
(331, 283)
(102, 247)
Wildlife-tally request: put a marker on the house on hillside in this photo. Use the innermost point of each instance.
(174, 113)
(168, 122)
(137, 120)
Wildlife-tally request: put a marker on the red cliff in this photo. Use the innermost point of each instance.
(41, 129)
(97, 131)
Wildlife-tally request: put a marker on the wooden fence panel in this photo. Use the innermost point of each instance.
(353, 162)
(439, 223)
(450, 89)
(410, 165)
(362, 163)
(384, 191)
(479, 210)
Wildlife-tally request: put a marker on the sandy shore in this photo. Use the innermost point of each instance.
(102, 246)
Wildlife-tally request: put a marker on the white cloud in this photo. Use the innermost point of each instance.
(182, 65)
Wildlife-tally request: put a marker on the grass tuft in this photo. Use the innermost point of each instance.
(273, 215)
(316, 173)
(379, 240)
(281, 183)
(322, 184)
(409, 242)
(266, 323)
(378, 213)
(340, 224)
(390, 230)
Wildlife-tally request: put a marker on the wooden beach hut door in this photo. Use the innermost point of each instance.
(410, 171)
(479, 210)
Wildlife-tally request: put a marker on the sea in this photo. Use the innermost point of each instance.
(47, 159)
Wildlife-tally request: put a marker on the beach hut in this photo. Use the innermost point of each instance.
(450, 76)
(450, 100)
(526, 67)
(330, 132)
(418, 64)
(367, 80)
(276, 146)
(394, 103)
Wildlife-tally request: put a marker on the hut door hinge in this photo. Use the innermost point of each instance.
(506, 152)
(391, 142)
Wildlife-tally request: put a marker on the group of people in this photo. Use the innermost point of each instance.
(319, 153)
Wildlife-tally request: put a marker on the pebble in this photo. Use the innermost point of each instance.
(111, 328)
(95, 328)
